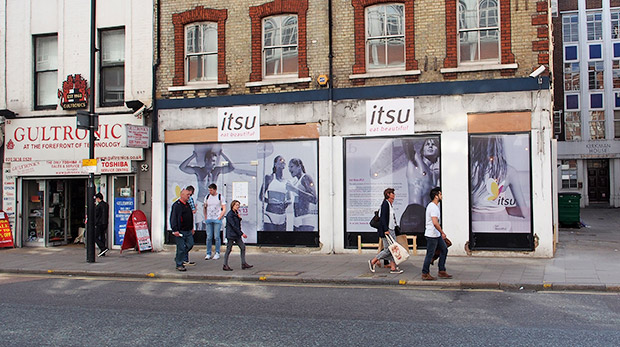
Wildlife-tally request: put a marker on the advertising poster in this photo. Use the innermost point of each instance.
(410, 165)
(6, 237)
(279, 183)
(122, 210)
(500, 189)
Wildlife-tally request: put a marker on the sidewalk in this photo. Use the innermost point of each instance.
(586, 259)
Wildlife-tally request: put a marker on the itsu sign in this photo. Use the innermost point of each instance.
(389, 117)
(238, 123)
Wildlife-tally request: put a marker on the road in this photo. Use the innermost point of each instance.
(69, 311)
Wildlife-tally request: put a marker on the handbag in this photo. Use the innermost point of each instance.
(399, 253)
(375, 222)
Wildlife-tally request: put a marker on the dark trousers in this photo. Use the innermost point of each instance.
(185, 243)
(432, 243)
(229, 246)
(101, 233)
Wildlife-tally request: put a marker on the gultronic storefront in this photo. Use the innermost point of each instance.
(43, 161)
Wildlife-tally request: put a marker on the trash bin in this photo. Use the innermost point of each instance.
(568, 208)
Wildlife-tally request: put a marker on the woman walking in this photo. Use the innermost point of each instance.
(234, 235)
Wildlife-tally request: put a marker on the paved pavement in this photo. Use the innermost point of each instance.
(587, 258)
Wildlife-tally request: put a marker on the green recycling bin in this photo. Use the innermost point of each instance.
(568, 208)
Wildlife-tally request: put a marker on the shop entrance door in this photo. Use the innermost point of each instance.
(598, 181)
(56, 212)
(33, 228)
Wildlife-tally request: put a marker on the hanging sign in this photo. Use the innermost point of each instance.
(74, 93)
(6, 237)
(137, 233)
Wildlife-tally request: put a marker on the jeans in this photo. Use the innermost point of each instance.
(184, 245)
(431, 245)
(385, 253)
(214, 226)
(101, 232)
(229, 245)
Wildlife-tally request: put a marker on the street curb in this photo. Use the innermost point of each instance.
(447, 284)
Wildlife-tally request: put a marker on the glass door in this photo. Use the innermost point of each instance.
(57, 213)
(34, 227)
(124, 203)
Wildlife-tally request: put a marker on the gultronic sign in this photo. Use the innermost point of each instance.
(74, 93)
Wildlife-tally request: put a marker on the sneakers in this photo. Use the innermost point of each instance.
(371, 266)
(443, 274)
(191, 263)
(246, 266)
(181, 268)
(396, 271)
(216, 256)
(208, 257)
(102, 253)
(226, 268)
(428, 277)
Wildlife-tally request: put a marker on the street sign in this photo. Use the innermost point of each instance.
(83, 120)
(89, 165)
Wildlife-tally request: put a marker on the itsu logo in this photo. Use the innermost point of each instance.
(389, 117)
(238, 123)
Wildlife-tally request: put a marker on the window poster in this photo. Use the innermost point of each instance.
(278, 180)
(500, 190)
(410, 165)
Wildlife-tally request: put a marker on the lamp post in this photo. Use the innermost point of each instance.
(90, 189)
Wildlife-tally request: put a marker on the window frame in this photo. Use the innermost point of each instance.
(596, 76)
(36, 73)
(596, 24)
(202, 53)
(282, 46)
(572, 26)
(575, 80)
(570, 171)
(572, 135)
(479, 29)
(103, 66)
(403, 27)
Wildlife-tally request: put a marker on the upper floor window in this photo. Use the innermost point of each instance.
(112, 91)
(280, 45)
(597, 125)
(572, 125)
(46, 71)
(594, 22)
(570, 28)
(201, 52)
(595, 74)
(615, 25)
(617, 124)
(571, 76)
(478, 27)
(385, 36)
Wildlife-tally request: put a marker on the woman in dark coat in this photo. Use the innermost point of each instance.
(386, 227)
(234, 235)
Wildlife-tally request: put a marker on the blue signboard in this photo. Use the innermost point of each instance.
(122, 210)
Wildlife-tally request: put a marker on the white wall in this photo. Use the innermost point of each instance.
(70, 19)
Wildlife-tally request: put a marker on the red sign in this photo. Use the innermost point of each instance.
(6, 237)
(74, 93)
(137, 234)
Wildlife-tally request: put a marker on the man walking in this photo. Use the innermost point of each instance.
(434, 238)
(182, 224)
(101, 224)
(214, 207)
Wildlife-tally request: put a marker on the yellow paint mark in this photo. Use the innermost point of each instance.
(402, 282)
(262, 278)
(50, 271)
(547, 285)
(150, 274)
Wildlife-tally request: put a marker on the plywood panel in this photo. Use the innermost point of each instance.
(267, 132)
(498, 122)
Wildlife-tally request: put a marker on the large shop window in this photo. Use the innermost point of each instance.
(500, 192)
(275, 182)
(410, 165)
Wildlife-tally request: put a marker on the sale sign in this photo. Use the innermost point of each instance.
(6, 237)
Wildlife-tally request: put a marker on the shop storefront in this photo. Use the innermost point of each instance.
(43, 160)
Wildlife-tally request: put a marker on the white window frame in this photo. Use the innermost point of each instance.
(569, 174)
(478, 30)
(576, 136)
(599, 69)
(615, 24)
(205, 78)
(387, 37)
(600, 124)
(572, 74)
(106, 63)
(51, 69)
(279, 30)
(567, 24)
(595, 24)
(616, 124)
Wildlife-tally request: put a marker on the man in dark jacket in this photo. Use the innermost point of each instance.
(182, 224)
(101, 224)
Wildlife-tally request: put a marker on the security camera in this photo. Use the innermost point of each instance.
(538, 71)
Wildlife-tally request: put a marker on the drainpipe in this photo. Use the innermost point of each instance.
(330, 112)
(154, 130)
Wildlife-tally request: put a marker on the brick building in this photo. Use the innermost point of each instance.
(587, 99)
(305, 111)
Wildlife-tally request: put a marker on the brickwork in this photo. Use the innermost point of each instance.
(541, 44)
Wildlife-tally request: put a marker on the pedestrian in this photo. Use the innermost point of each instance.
(214, 207)
(435, 237)
(101, 224)
(387, 225)
(234, 235)
(182, 224)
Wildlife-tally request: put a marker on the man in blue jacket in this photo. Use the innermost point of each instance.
(182, 224)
